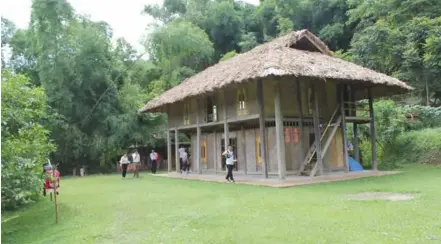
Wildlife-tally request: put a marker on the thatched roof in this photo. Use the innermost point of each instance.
(299, 54)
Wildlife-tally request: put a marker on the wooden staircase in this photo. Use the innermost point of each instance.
(309, 165)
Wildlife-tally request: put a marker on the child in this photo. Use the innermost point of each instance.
(229, 155)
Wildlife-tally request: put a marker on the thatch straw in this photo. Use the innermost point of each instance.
(276, 58)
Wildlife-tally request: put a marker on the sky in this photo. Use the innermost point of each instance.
(124, 16)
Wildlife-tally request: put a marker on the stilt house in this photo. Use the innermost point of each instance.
(283, 106)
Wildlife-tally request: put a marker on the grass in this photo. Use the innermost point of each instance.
(106, 209)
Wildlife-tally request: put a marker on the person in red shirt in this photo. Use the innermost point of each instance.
(52, 179)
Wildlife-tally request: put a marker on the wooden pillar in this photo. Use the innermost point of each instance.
(244, 149)
(355, 127)
(356, 143)
(343, 127)
(216, 154)
(226, 129)
(302, 131)
(169, 152)
(372, 127)
(261, 109)
(317, 133)
(281, 162)
(198, 139)
(178, 165)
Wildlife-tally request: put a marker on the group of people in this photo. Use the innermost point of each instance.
(230, 159)
(135, 158)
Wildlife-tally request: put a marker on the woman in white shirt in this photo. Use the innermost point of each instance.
(229, 155)
(124, 162)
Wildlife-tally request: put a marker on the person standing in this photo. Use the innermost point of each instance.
(229, 156)
(124, 162)
(137, 162)
(185, 166)
(181, 151)
(154, 158)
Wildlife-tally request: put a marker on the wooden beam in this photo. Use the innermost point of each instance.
(169, 152)
(302, 131)
(343, 127)
(244, 148)
(178, 165)
(198, 139)
(372, 127)
(316, 115)
(281, 163)
(261, 109)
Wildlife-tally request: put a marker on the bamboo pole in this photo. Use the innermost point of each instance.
(54, 169)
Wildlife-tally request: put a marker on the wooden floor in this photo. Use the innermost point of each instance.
(290, 181)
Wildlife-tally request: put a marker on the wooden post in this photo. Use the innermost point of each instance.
(281, 163)
(355, 127)
(356, 143)
(373, 136)
(216, 155)
(261, 109)
(244, 149)
(178, 165)
(302, 132)
(169, 152)
(316, 118)
(54, 170)
(343, 128)
(226, 129)
(198, 139)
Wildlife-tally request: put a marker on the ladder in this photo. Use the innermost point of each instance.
(328, 135)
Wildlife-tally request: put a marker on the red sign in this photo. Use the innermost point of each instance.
(296, 135)
(292, 135)
(287, 135)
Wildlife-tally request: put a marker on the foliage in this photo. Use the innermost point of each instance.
(228, 55)
(8, 31)
(400, 38)
(180, 44)
(25, 143)
(422, 146)
(391, 121)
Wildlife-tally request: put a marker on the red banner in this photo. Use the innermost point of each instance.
(292, 135)
(287, 135)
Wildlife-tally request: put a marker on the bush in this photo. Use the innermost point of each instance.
(415, 147)
(25, 144)
(392, 122)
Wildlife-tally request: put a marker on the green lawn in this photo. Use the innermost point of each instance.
(106, 209)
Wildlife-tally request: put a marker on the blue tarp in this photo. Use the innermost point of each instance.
(354, 165)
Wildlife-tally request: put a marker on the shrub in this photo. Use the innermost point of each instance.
(415, 147)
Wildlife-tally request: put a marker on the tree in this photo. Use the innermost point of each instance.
(224, 26)
(180, 49)
(8, 30)
(25, 142)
